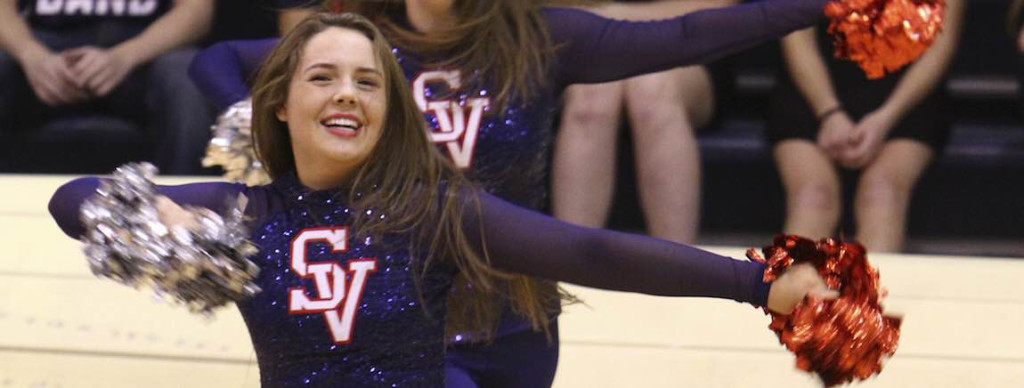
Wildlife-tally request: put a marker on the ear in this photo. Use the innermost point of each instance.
(282, 114)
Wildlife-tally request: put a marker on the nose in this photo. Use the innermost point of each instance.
(345, 95)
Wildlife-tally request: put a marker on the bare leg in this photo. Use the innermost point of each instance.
(583, 166)
(883, 195)
(812, 189)
(665, 109)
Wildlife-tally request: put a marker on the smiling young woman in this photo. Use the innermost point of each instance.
(486, 75)
(396, 223)
(335, 107)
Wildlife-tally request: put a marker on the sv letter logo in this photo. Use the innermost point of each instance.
(457, 131)
(331, 280)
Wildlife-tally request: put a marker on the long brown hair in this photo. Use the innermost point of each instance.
(505, 41)
(416, 182)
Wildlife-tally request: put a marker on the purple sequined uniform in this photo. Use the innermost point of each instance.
(507, 153)
(337, 310)
(396, 338)
(396, 335)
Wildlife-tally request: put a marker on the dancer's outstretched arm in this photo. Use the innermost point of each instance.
(590, 48)
(523, 241)
(527, 242)
(593, 49)
(68, 199)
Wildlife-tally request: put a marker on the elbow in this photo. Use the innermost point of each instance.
(67, 200)
(199, 68)
(202, 15)
(205, 75)
(203, 28)
(202, 32)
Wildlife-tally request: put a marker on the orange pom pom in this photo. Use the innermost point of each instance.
(843, 339)
(884, 35)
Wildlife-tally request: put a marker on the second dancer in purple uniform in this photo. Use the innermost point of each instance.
(487, 75)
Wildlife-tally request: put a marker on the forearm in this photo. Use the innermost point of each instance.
(636, 263)
(596, 49)
(187, 22)
(66, 202)
(928, 72)
(15, 36)
(808, 71)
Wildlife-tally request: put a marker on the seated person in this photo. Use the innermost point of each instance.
(826, 115)
(127, 59)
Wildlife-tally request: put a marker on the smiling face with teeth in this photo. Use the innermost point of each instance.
(335, 107)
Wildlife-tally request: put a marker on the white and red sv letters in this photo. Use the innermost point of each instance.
(457, 131)
(337, 302)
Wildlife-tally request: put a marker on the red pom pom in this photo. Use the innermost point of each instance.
(884, 35)
(843, 339)
(336, 6)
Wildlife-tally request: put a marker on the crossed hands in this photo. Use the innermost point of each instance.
(75, 75)
(855, 145)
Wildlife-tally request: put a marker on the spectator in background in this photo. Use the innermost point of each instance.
(127, 58)
(1014, 22)
(826, 114)
(664, 109)
(1015, 27)
(292, 12)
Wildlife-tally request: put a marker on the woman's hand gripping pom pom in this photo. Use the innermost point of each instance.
(842, 338)
(141, 239)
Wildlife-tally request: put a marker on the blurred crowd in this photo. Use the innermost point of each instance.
(88, 84)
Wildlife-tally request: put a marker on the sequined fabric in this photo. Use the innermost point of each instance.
(504, 152)
(397, 339)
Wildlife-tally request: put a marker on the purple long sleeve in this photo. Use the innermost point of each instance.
(591, 48)
(223, 71)
(66, 201)
(595, 49)
(517, 240)
(527, 242)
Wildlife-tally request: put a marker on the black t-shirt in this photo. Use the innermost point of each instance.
(75, 13)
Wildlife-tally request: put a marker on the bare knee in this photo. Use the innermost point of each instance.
(592, 109)
(649, 115)
(652, 114)
(818, 196)
(881, 191)
(681, 96)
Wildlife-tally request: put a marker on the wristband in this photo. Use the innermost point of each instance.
(829, 112)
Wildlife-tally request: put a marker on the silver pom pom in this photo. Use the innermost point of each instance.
(203, 266)
(231, 146)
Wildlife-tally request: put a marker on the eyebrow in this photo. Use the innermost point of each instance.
(330, 66)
